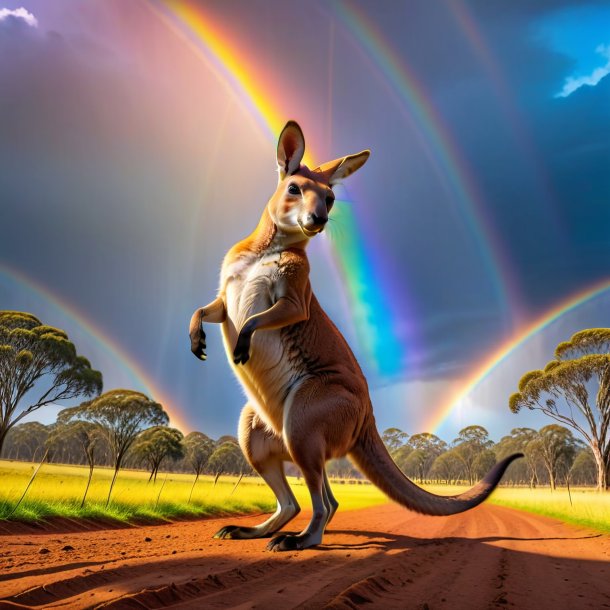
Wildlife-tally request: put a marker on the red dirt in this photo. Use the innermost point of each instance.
(384, 557)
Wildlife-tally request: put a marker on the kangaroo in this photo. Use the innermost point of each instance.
(308, 400)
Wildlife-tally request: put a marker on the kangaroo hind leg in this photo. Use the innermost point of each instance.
(265, 452)
(329, 499)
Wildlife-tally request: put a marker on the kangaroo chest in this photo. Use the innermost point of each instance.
(249, 286)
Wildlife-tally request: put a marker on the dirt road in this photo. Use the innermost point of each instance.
(381, 557)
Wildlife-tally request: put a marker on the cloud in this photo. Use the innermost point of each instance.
(8, 15)
(573, 83)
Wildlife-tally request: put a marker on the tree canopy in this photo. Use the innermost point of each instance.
(198, 449)
(33, 357)
(562, 391)
(121, 415)
(156, 444)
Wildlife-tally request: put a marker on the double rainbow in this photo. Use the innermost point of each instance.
(138, 378)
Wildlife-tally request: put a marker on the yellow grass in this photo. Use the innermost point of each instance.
(588, 508)
(58, 490)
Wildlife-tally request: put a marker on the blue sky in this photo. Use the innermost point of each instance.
(582, 33)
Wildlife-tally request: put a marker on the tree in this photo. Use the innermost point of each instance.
(198, 449)
(121, 415)
(446, 467)
(342, 468)
(26, 441)
(583, 471)
(33, 357)
(561, 391)
(471, 442)
(556, 447)
(228, 458)
(426, 448)
(394, 439)
(86, 434)
(516, 442)
(155, 445)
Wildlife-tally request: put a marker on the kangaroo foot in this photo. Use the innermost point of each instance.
(235, 532)
(288, 542)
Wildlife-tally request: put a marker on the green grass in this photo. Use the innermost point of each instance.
(589, 508)
(57, 491)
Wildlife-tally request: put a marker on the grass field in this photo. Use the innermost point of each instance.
(587, 508)
(58, 490)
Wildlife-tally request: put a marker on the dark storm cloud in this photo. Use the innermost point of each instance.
(541, 164)
(102, 175)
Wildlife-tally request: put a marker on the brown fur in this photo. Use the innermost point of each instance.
(308, 399)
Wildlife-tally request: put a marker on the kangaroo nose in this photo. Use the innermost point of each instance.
(314, 219)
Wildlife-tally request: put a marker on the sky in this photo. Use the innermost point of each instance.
(138, 144)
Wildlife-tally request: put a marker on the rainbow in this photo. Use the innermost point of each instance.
(504, 94)
(504, 351)
(250, 85)
(139, 377)
(451, 167)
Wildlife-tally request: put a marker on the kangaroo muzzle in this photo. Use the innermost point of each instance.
(313, 224)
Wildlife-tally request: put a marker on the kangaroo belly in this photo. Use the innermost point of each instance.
(269, 374)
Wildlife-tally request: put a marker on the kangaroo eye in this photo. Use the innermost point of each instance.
(293, 189)
(329, 202)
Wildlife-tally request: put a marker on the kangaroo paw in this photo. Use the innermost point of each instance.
(235, 532)
(287, 542)
(241, 355)
(198, 345)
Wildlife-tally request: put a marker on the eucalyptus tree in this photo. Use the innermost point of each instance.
(583, 470)
(556, 447)
(26, 441)
(470, 445)
(39, 365)
(394, 439)
(120, 415)
(574, 390)
(446, 467)
(198, 449)
(86, 435)
(424, 449)
(516, 442)
(156, 444)
(228, 458)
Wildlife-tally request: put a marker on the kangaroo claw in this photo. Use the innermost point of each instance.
(198, 345)
(241, 355)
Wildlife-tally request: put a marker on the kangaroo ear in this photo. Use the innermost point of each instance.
(337, 170)
(290, 149)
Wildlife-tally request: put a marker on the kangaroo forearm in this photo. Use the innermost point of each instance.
(214, 312)
(283, 313)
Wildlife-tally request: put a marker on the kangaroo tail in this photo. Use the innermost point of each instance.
(373, 459)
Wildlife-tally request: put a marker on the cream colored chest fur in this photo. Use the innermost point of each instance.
(250, 286)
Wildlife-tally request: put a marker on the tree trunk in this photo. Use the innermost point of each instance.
(602, 469)
(88, 483)
(3, 433)
(192, 488)
(116, 472)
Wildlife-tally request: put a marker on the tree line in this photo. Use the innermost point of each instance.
(552, 456)
(39, 365)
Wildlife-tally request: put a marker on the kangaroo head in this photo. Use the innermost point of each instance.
(304, 197)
